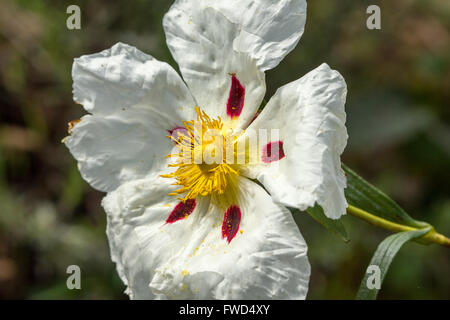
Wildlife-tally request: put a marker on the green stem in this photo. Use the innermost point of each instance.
(431, 236)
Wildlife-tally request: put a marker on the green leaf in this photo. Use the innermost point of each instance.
(361, 194)
(382, 259)
(336, 226)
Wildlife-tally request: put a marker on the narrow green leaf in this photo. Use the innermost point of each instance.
(382, 259)
(336, 226)
(362, 194)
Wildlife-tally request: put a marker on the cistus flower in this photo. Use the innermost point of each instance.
(211, 230)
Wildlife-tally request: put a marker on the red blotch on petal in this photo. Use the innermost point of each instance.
(273, 151)
(231, 222)
(236, 98)
(177, 129)
(182, 210)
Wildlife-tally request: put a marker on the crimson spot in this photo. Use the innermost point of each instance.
(182, 210)
(273, 151)
(236, 98)
(231, 222)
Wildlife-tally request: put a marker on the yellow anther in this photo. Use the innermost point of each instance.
(197, 177)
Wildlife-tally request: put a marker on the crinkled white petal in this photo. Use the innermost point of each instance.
(267, 30)
(134, 99)
(310, 116)
(201, 39)
(189, 259)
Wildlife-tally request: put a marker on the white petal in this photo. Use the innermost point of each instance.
(188, 259)
(267, 30)
(202, 40)
(310, 116)
(134, 99)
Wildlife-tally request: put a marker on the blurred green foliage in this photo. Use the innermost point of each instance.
(398, 121)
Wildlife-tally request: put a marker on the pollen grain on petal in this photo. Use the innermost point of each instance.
(71, 125)
(231, 222)
(182, 210)
(236, 98)
(273, 151)
(184, 273)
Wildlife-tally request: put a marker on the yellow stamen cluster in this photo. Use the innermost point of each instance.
(196, 177)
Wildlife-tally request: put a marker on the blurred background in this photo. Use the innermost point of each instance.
(398, 120)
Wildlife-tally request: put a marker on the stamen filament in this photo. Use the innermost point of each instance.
(202, 179)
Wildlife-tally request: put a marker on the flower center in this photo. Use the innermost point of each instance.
(206, 161)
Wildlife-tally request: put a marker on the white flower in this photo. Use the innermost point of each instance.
(228, 238)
